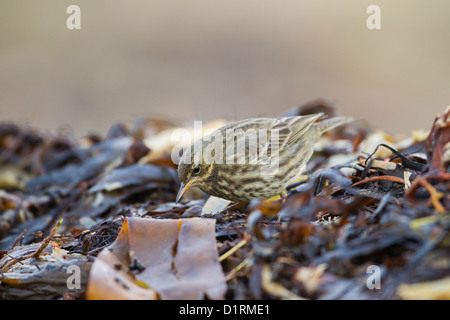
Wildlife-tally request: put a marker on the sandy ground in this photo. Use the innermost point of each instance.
(203, 59)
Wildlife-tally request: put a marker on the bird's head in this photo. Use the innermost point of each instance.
(192, 171)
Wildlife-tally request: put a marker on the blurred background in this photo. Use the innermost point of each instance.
(234, 59)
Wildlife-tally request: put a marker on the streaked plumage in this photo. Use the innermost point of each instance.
(254, 174)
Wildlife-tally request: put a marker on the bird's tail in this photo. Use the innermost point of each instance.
(332, 123)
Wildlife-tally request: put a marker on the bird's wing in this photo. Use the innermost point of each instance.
(290, 129)
(258, 140)
(245, 139)
(244, 146)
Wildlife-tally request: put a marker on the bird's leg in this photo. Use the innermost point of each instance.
(283, 196)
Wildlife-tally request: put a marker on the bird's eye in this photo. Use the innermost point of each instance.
(196, 170)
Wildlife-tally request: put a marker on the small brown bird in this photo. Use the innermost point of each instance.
(252, 158)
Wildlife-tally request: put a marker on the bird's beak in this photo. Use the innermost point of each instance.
(183, 188)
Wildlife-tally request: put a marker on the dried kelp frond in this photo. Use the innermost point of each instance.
(369, 202)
